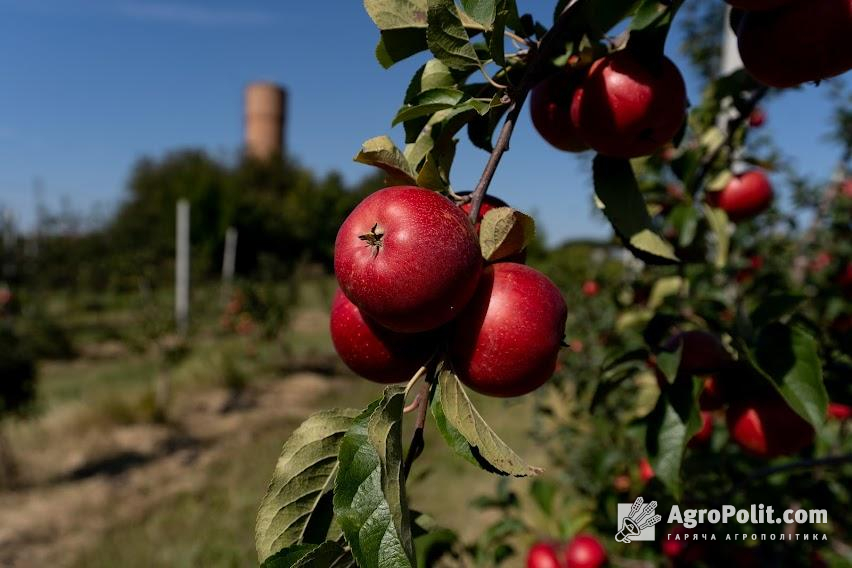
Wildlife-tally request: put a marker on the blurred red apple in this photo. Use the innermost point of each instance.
(768, 428)
(628, 106)
(744, 197)
(585, 551)
(542, 555)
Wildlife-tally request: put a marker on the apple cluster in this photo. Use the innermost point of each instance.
(582, 551)
(626, 104)
(414, 288)
(757, 418)
(784, 43)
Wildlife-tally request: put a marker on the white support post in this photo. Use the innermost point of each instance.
(229, 259)
(182, 267)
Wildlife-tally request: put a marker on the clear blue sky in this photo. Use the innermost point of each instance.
(89, 86)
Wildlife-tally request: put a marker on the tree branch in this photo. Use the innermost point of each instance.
(803, 464)
(539, 56)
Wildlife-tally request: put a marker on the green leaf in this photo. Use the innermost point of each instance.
(480, 130)
(504, 232)
(668, 362)
(369, 494)
(447, 37)
(432, 75)
(775, 307)
(789, 357)
(650, 13)
(599, 17)
(435, 173)
(397, 14)
(429, 102)
(329, 554)
(672, 423)
(483, 11)
(469, 435)
(293, 509)
(718, 221)
(622, 203)
(496, 41)
(382, 153)
(438, 132)
(396, 45)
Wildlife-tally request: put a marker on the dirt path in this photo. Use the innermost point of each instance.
(114, 476)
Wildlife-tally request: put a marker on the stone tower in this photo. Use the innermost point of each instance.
(264, 120)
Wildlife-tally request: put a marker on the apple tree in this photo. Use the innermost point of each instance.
(434, 290)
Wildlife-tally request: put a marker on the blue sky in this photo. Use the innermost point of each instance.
(89, 86)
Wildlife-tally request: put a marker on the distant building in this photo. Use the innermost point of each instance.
(264, 120)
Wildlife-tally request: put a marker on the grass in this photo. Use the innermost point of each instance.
(213, 525)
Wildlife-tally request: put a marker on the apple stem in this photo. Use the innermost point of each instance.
(540, 57)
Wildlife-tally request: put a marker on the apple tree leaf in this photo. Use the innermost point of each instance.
(789, 357)
(382, 153)
(672, 423)
(330, 554)
(504, 232)
(297, 506)
(369, 493)
(621, 201)
(465, 431)
(447, 38)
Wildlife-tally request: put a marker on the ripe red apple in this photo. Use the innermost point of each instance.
(768, 428)
(711, 397)
(646, 472)
(702, 352)
(703, 436)
(542, 555)
(627, 106)
(408, 257)
(678, 546)
(376, 353)
(756, 5)
(744, 197)
(800, 42)
(550, 109)
(591, 288)
(839, 411)
(757, 118)
(585, 551)
(506, 341)
(821, 261)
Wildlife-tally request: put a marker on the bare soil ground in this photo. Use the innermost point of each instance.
(74, 490)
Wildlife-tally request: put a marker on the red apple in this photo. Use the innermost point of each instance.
(678, 546)
(839, 411)
(744, 197)
(701, 352)
(846, 188)
(768, 428)
(542, 555)
(646, 472)
(627, 106)
(821, 261)
(408, 257)
(703, 436)
(550, 109)
(757, 5)
(757, 118)
(506, 341)
(800, 42)
(585, 551)
(591, 288)
(376, 353)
